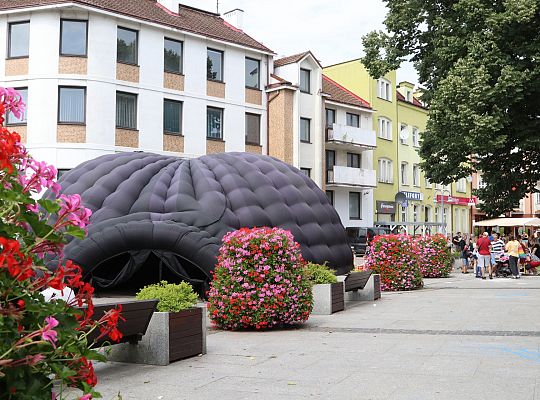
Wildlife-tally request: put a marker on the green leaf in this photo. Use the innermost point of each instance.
(51, 206)
(76, 232)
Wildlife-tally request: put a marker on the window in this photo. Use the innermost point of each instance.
(305, 130)
(126, 110)
(386, 171)
(404, 175)
(355, 205)
(384, 91)
(537, 198)
(73, 37)
(214, 65)
(437, 214)
(330, 160)
(172, 117)
(353, 160)
(403, 134)
(385, 128)
(481, 183)
(408, 96)
(306, 171)
(461, 185)
(403, 213)
(416, 174)
(427, 183)
(427, 214)
(253, 129)
(214, 123)
(330, 196)
(353, 120)
(305, 80)
(173, 51)
(330, 118)
(11, 119)
(127, 46)
(71, 105)
(415, 213)
(253, 72)
(19, 39)
(415, 137)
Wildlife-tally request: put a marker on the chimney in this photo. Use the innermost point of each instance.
(235, 18)
(171, 5)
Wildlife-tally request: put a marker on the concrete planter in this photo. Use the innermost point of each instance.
(371, 291)
(328, 298)
(170, 337)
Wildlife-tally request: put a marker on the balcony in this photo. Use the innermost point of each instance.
(351, 177)
(343, 136)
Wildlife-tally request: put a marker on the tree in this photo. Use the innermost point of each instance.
(479, 63)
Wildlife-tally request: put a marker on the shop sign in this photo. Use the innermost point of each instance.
(386, 207)
(457, 201)
(415, 196)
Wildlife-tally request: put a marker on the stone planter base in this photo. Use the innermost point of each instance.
(170, 337)
(371, 292)
(328, 298)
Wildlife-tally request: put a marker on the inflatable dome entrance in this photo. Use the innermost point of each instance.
(162, 217)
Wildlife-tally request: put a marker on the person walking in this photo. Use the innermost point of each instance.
(512, 248)
(497, 250)
(484, 255)
(464, 248)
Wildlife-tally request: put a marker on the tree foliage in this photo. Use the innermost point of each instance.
(479, 63)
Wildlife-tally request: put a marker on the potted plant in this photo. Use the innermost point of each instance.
(176, 331)
(328, 293)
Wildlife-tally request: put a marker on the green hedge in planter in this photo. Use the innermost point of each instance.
(320, 274)
(172, 297)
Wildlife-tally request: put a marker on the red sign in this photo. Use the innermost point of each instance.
(455, 200)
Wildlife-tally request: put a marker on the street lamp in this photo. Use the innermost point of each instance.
(443, 191)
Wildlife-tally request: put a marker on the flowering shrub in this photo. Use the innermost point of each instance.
(394, 257)
(434, 256)
(259, 281)
(41, 341)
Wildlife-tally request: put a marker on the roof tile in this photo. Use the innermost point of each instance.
(188, 19)
(339, 94)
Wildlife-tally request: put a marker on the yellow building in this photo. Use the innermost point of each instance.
(399, 120)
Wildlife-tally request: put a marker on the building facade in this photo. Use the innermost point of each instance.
(138, 75)
(399, 119)
(326, 131)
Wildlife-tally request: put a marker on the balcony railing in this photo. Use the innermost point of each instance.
(350, 135)
(352, 177)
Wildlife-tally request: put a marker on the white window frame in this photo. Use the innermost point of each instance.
(427, 183)
(416, 136)
(404, 166)
(481, 184)
(384, 89)
(385, 170)
(385, 128)
(461, 185)
(416, 175)
(403, 127)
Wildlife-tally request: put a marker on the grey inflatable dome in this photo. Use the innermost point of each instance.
(161, 217)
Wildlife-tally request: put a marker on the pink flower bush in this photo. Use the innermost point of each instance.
(434, 256)
(395, 258)
(259, 281)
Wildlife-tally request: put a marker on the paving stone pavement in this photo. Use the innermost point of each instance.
(458, 338)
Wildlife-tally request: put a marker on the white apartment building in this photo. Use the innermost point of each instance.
(106, 76)
(350, 140)
(332, 138)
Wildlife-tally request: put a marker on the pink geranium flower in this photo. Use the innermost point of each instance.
(48, 333)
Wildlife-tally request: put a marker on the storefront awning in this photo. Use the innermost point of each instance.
(509, 222)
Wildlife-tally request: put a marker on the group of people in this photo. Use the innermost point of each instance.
(490, 253)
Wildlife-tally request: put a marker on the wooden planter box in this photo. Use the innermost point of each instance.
(170, 337)
(328, 298)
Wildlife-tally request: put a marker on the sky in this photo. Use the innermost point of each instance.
(332, 30)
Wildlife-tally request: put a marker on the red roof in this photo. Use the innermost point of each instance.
(188, 19)
(415, 101)
(340, 94)
(294, 59)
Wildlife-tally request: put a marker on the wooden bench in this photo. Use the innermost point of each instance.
(137, 316)
(356, 280)
(364, 285)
